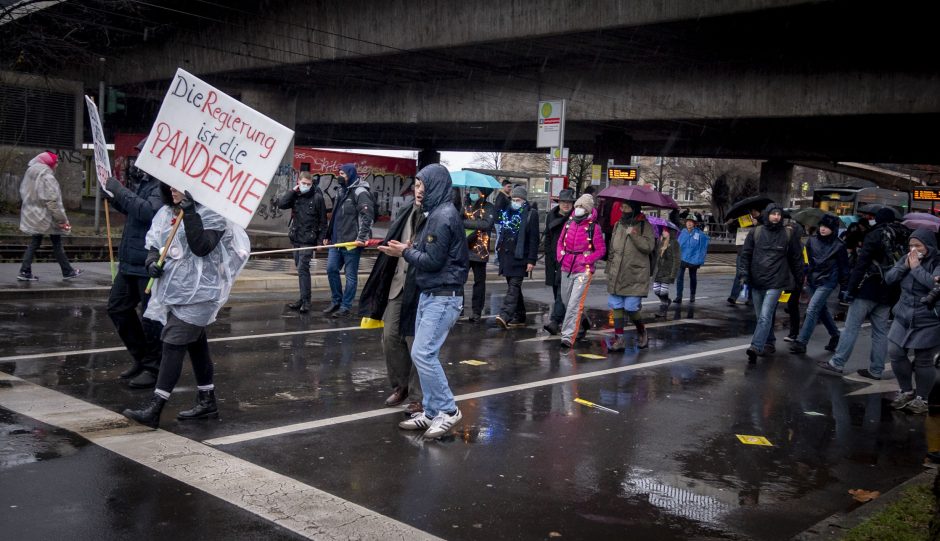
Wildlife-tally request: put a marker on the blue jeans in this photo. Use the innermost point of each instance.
(680, 279)
(817, 311)
(858, 311)
(339, 258)
(436, 315)
(765, 306)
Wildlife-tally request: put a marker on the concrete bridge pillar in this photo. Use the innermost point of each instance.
(776, 181)
(427, 156)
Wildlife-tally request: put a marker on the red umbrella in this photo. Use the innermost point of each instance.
(645, 195)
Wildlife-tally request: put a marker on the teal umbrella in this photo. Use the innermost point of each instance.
(472, 179)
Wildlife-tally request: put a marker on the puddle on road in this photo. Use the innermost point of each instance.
(23, 441)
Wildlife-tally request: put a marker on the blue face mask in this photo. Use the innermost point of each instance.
(474, 197)
(304, 188)
(516, 206)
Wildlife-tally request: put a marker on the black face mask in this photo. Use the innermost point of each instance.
(137, 175)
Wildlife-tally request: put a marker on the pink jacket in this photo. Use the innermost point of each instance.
(574, 253)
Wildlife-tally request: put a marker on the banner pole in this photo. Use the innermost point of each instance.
(107, 221)
(166, 248)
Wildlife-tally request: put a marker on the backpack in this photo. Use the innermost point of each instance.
(893, 247)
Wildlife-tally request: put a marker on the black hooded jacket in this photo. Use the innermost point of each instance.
(140, 205)
(866, 280)
(554, 223)
(353, 210)
(308, 220)
(439, 255)
(771, 258)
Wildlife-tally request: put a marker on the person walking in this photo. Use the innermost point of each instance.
(351, 221)
(441, 259)
(479, 216)
(828, 269)
(694, 245)
(140, 202)
(390, 295)
(870, 296)
(628, 272)
(579, 247)
(555, 220)
(668, 260)
(915, 331)
(518, 250)
(771, 261)
(42, 213)
(202, 262)
(306, 230)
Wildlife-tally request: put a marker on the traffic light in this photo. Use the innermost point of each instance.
(115, 101)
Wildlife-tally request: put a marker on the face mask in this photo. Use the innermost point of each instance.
(580, 212)
(516, 206)
(304, 188)
(872, 223)
(474, 197)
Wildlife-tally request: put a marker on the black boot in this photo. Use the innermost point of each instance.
(149, 415)
(133, 371)
(584, 327)
(304, 306)
(642, 338)
(296, 304)
(205, 407)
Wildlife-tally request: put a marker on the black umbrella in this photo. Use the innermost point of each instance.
(744, 206)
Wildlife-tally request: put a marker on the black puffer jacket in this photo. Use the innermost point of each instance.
(308, 220)
(140, 205)
(554, 223)
(771, 258)
(439, 255)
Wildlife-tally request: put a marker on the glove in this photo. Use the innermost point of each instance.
(187, 204)
(113, 186)
(154, 270)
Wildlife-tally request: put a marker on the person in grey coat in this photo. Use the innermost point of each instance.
(916, 328)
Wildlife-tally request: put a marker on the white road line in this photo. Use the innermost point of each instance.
(297, 427)
(301, 508)
(223, 339)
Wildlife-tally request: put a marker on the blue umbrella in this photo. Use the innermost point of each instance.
(468, 179)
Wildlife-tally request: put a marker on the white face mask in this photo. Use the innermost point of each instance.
(872, 222)
(580, 212)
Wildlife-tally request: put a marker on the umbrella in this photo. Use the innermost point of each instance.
(873, 208)
(922, 217)
(808, 217)
(922, 224)
(744, 206)
(640, 194)
(661, 223)
(468, 179)
(848, 220)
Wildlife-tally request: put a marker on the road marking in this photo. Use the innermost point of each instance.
(222, 339)
(297, 427)
(611, 331)
(301, 508)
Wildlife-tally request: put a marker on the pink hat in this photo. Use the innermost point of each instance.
(49, 159)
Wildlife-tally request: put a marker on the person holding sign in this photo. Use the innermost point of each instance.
(42, 213)
(307, 225)
(351, 222)
(201, 264)
(140, 202)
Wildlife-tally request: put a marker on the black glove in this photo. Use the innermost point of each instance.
(154, 269)
(187, 204)
(113, 186)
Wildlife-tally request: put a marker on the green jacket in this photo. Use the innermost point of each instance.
(628, 262)
(667, 263)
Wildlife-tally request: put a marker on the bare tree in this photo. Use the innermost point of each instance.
(579, 171)
(721, 182)
(487, 160)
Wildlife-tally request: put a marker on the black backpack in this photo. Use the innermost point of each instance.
(894, 239)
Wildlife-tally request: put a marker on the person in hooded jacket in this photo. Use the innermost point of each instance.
(628, 272)
(916, 327)
(307, 226)
(441, 259)
(42, 213)
(579, 247)
(555, 220)
(828, 269)
(870, 297)
(518, 249)
(667, 266)
(694, 245)
(140, 202)
(479, 216)
(351, 221)
(771, 261)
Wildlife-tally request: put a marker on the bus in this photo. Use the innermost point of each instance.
(849, 200)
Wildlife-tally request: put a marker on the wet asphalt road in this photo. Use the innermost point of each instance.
(524, 463)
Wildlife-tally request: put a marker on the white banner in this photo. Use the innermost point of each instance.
(102, 162)
(559, 162)
(219, 149)
(551, 128)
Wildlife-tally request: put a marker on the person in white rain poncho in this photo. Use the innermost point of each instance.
(197, 275)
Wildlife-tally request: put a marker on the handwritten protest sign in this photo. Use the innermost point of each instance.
(219, 149)
(102, 163)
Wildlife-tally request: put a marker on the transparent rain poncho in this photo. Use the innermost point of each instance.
(195, 288)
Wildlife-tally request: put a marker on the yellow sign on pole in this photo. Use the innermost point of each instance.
(754, 440)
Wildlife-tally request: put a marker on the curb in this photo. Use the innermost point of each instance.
(834, 527)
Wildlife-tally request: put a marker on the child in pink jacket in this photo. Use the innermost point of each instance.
(580, 245)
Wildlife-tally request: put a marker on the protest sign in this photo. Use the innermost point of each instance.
(212, 145)
(102, 163)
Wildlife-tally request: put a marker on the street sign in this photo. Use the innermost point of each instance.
(596, 173)
(559, 161)
(621, 173)
(926, 194)
(551, 128)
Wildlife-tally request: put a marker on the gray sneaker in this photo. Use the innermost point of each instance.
(417, 421)
(827, 367)
(442, 424)
(918, 406)
(902, 399)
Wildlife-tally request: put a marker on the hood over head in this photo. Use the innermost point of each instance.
(928, 237)
(351, 174)
(771, 207)
(46, 158)
(831, 221)
(437, 186)
(885, 216)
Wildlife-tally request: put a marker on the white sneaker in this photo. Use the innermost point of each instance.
(417, 421)
(442, 424)
(918, 406)
(902, 399)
